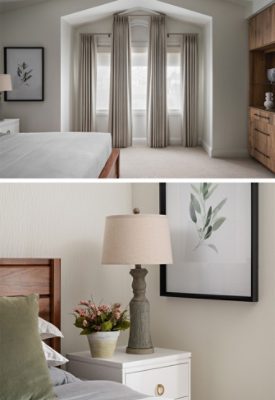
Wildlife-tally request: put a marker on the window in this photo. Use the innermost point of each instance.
(139, 80)
(103, 81)
(173, 81)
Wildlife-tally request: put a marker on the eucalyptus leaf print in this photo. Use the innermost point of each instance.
(24, 73)
(206, 216)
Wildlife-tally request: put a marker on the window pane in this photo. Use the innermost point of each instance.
(173, 81)
(103, 81)
(139, 80)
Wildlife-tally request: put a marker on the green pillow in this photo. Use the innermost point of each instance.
(24, 373)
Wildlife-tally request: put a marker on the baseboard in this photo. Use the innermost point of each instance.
(230, 153)
(206, 147)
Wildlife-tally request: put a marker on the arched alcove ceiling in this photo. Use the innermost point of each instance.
(105, 10)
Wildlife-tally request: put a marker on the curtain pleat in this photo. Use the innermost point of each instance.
(157, 120)
(120, 117)
(190, 89)
(87, 83)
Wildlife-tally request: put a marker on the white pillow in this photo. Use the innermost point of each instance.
(48, 330)
(53, 358)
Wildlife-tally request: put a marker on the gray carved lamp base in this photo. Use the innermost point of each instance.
(140, 338)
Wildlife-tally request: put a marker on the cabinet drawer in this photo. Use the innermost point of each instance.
(261, 115)
(262, 157)
(172, 381)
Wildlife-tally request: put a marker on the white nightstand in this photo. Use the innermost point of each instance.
(9, 126)
(164, 373)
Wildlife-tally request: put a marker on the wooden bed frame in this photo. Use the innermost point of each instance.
(112, 166)
(24, 276)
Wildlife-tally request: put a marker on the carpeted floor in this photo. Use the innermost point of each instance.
(178, 162)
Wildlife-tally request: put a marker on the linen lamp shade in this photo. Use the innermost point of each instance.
(137, 239)
(5, 83)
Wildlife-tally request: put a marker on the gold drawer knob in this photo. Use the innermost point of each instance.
(160, 390)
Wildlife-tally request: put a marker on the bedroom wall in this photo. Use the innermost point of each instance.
(40, 25)
(232, 343)
(67, 221)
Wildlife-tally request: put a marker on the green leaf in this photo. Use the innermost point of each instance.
(195, 203)
(208, 232)
(122, 326)
(213, 247)
(86, 331)
(106, 326)
(192, 213)
(211, 191)
(219, 207)
(205, 190)
(195, 189)
(208, 218)
(218, 223)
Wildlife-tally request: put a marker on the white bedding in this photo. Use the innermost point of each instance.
(54, 155)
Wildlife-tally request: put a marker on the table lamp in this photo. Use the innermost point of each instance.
(137, 239)
(5, 85)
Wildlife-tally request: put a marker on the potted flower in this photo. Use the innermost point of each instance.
(102, 325)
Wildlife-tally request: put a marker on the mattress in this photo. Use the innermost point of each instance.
(54, 155)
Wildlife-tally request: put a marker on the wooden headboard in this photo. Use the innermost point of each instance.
(24, 276)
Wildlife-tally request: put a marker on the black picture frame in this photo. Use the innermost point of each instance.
(254, 297)
(10, 96)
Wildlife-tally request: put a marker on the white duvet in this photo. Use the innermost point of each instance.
(54, 155)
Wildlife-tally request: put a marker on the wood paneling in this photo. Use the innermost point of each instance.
(21, 277)
(261, 29)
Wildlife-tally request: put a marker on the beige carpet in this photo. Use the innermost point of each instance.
(178, 162)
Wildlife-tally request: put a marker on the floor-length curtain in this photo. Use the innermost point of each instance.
(120, 117)
(87, 83)
(190, 89)
(157, 120)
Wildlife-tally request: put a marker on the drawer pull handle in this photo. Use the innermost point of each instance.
(263, 133)
(261, 116)
(160, 390)
(260, 152)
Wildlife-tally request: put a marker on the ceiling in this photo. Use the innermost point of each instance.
(6, 5)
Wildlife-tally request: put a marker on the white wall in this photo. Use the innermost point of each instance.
(257, 5)
(67, 221)
(232, 343)
(40, 25)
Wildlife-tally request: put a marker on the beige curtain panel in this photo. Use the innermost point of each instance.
(87, 84)
(120, 117)
(157, 120)
(190, 89)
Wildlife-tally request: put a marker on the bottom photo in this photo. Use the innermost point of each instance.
(113, 291)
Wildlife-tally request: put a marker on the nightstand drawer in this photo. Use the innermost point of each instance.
(172, 381)
(9, 126)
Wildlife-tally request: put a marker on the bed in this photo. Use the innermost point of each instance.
(43, 276)
(51, 155)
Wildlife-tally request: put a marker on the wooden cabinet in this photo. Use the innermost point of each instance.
(262, 29)
(262, 137)
(165, 373)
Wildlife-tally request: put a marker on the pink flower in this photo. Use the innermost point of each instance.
(84, 303)
(117, 314)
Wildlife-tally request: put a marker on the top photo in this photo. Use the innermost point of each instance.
(137, 89)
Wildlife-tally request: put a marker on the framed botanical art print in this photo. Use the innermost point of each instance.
(214, 231)
(26, 67)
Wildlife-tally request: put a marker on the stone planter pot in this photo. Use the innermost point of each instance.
(103, 344)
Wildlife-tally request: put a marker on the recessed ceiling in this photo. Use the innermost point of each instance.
(6, 5)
